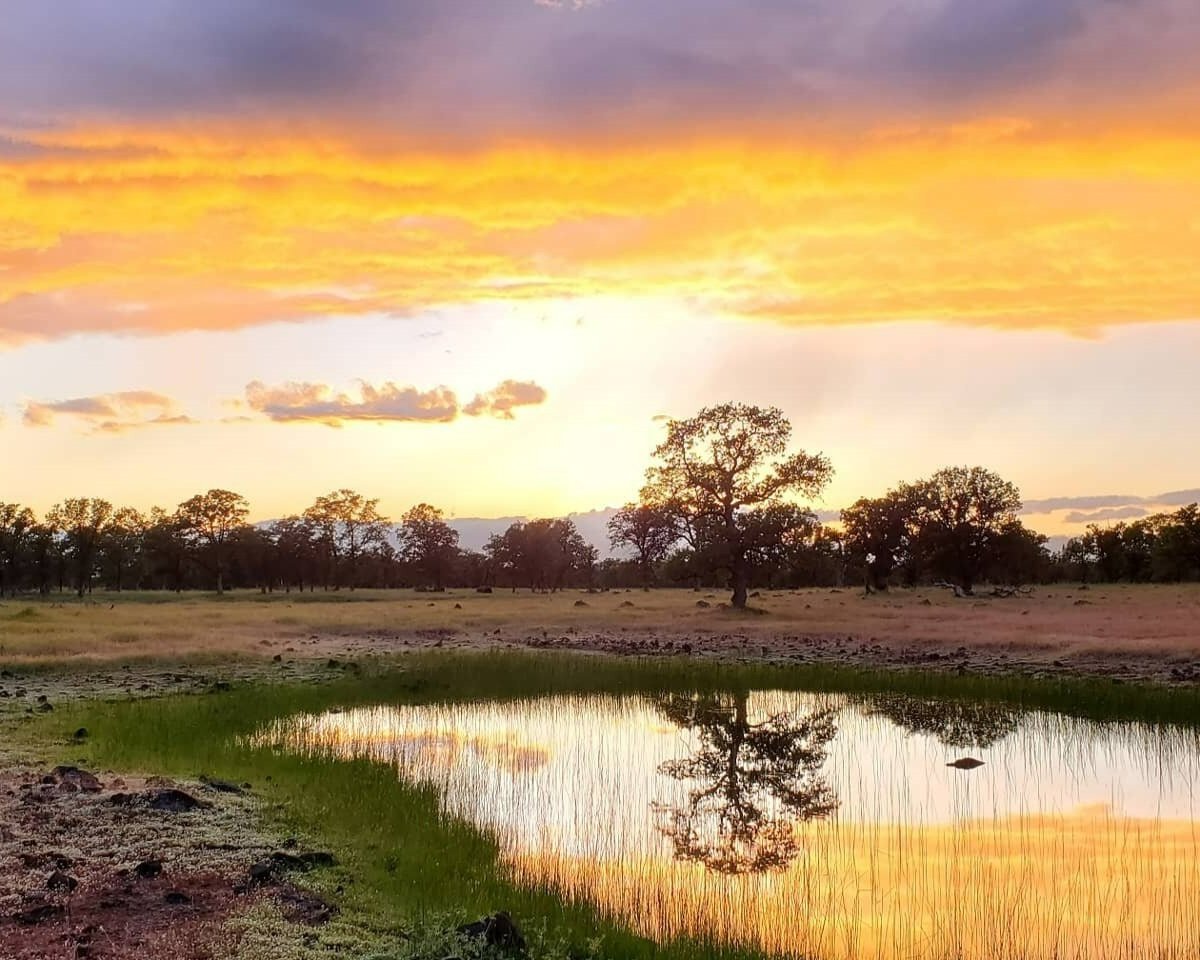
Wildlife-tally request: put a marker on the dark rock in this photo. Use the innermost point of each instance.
(581, 603)
(149, 869)
(498, 930)
(38, 913)
(45, 708)
(966, 763)
(221, 786)
(177, 898)
(318, 858)
(288, 861)
(75, 779)
(262, 872)
(61, 882)
(173, 801)
(703, 603)
(80, 734)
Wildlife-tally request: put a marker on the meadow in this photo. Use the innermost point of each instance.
(414, 865)
(1096, 629)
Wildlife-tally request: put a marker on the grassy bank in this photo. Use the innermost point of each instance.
(408, 861)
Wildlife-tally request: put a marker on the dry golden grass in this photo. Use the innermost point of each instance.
(1130, 625)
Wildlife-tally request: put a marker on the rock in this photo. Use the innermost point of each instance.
(80, 734)
(498, 930)
(319, 858)
(288, 861)
(262, 872)
(965, 763)
(221, 786)
(75, 779)
(177, 898)
(626, 603)
(61, 882)
(40, 912)
(581, 603)
(703, 603)
(173, 801)
(149, 869)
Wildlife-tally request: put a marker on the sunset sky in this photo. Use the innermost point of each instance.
(472, 251)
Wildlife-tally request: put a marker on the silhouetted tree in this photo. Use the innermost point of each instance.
(16, 526)
(879, 533)
(542, 554)
(714, 467)
(347, 524)
(428, 543)
(963, 512)
(751, 782)
(83, 522)
(209, 520)
(122, 547)
(649, 529)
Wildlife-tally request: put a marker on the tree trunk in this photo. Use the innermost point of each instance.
(740, 583)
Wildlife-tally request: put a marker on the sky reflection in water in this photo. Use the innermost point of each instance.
(820, 825)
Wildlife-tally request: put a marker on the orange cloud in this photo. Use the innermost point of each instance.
(1010, 222)
(390, 403)
(502, 401)
(108, 413)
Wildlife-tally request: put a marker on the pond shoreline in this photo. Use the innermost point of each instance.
(35, 717)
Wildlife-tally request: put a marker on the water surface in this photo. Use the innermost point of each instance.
(816, 825)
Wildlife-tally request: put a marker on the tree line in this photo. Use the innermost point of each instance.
(722, 506)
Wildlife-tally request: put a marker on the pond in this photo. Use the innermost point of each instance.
(818, 825)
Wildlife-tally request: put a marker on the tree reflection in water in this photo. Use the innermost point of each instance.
(752, 782)
(955, 723)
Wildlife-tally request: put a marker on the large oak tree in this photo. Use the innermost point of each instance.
(722, 468)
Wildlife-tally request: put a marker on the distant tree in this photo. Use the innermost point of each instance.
(165, 548)
(714, 467)
(544, 555)
(1177, 547)
(210, 520)
(293, 541)
(347, 525)
(17, 524)
(963, 513)
(751, 780)
(428, 543)
(879, 532)
(83, 522)
(649, 529)
(122, 547)
(1018, 555)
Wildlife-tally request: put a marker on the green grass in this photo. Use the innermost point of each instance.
(409, 861)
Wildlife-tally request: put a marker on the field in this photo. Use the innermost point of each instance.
(1127, 632)
(140, 687)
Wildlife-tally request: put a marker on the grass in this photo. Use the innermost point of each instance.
(1105, 621)
(411, 863)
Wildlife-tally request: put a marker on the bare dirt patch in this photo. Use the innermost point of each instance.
(116, 868)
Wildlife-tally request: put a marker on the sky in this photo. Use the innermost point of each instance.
(472, 252)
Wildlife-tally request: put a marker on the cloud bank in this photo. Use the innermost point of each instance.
(110, 413)
(386, 403)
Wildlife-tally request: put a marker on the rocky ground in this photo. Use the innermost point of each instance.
(109, 868)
